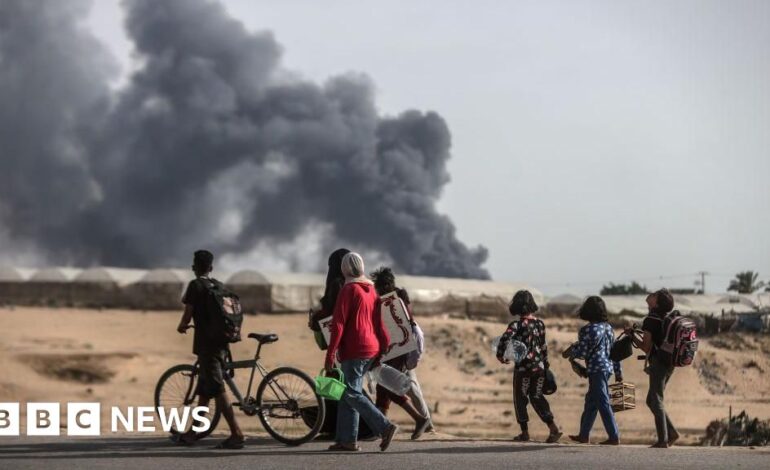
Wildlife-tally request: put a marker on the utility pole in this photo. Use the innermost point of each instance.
(702, 282)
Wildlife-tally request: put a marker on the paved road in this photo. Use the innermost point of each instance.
(145, 453)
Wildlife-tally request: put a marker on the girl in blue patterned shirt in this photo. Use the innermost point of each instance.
(595, 341)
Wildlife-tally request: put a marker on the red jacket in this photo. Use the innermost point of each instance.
(357, 330)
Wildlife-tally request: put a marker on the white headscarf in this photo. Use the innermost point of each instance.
(353, 268)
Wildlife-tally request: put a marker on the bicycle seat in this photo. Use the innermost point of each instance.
(266, 338)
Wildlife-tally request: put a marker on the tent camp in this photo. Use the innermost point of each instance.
(161, 289)
(695, 304)
(563, 304)
(11, 282)
(298, 292)
(103, 287)
(253, 289)
(46, 287)
(294, 292)
(11, 274)
(469, 298)
(158, 289)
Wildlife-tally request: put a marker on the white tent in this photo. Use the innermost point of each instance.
(102, 287)
(563, 304)
(692, 304)
(163, 276)
(254, 290)
(11, 274)
(105, 275)
(248, 277)
(565, 299)
(471, 298)
(46, 286)
(158, 289)
(12, 281)
(294, 292)
(54, 275)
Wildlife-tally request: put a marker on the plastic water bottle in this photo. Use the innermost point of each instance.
(495, 343)
(392, 379)
(370, 383)
(515, 351)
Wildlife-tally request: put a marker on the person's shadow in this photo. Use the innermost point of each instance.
(161, 447)
(124, 447)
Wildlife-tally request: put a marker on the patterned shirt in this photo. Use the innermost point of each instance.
(594, 343)
(531, 332)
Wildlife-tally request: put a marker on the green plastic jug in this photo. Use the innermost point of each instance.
(329, 387)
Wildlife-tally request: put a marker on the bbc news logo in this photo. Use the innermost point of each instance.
(84, 419)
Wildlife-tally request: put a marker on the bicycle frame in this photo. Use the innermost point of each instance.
(282, 395)
(242, 400)
(255, 366)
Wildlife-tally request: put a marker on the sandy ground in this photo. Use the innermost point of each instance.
(43, 351)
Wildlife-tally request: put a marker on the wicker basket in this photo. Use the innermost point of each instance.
(622, 396)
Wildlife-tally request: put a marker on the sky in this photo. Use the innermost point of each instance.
(593, 141)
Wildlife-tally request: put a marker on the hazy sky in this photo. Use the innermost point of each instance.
(594, 141)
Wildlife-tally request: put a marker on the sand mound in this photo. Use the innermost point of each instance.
(80, 368)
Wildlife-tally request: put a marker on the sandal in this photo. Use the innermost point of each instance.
(523, 437)
(341, 447)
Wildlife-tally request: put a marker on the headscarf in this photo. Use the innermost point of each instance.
(353, 269)
(334, 280)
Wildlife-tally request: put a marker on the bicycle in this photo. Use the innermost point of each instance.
(286, 402)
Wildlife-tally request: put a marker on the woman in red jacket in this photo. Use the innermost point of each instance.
(358, 334)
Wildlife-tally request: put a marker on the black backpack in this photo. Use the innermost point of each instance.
(223, 309)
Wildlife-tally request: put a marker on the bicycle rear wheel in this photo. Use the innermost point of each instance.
(176, 389)
(290, 410)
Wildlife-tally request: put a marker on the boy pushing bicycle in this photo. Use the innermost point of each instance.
(211, 348)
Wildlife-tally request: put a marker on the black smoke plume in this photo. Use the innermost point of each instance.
(210, 143)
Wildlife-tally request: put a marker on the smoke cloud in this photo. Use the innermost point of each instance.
(210, 143)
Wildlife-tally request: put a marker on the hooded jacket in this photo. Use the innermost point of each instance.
(357, 330)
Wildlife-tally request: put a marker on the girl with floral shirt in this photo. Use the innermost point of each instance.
(529, 374)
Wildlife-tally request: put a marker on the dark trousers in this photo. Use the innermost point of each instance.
(660, 373)
(528, 387)
(211, 375)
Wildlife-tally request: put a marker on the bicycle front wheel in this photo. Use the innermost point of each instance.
(176, 388)
(290, 410)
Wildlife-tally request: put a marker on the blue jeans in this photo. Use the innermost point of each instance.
(598, 401)
(354, 402)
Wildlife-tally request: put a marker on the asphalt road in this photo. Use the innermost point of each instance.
(145, 453)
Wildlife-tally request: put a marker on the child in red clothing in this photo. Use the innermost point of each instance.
(359, 335)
